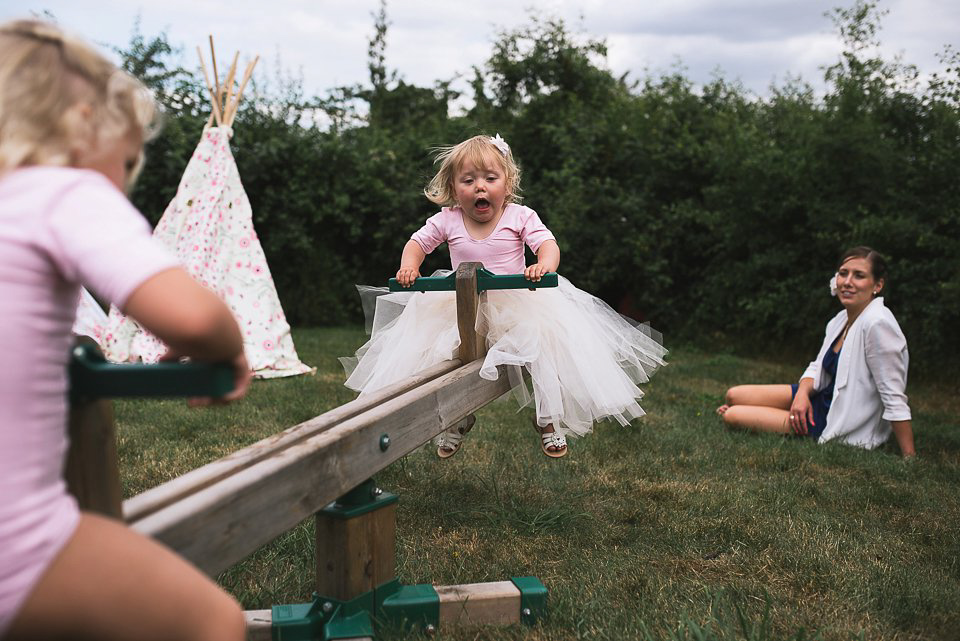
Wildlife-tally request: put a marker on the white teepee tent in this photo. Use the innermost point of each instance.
(209, 225)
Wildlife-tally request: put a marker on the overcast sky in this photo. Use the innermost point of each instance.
(758, 42)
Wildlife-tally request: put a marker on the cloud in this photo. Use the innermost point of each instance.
(741, 21)
(756, 63)
(756, 41)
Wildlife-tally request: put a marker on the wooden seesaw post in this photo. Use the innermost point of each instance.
(356, 535)
(92, 472)
(356, 547)
(216, 515)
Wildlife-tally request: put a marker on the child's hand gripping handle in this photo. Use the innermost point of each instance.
(485, 280)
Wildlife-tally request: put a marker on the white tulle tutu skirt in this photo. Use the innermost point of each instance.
(585, 360)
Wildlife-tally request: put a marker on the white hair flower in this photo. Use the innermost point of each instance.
(833, 284)
(500, 144)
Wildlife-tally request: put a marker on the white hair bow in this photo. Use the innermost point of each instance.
(500, 144)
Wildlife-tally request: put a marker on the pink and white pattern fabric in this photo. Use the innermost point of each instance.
(91, 319)
(209, 226)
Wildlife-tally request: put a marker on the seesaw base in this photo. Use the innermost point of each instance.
(358, 590)
(424, 607)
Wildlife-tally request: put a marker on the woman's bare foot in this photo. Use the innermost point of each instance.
(722, 409)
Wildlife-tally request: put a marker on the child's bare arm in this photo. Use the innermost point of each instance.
(186, 316)
(410, 263)
(192, 321)
(548, 259)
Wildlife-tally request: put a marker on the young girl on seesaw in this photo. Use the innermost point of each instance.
(72, 128)
(584, 359)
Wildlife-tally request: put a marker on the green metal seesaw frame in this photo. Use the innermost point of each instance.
(92, 377)
(355, 533)
(485, 280)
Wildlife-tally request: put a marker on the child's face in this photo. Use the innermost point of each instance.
(481, 191)
(115, 158)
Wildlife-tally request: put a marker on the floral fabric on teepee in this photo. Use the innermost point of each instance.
(91, 319)
(209, 225)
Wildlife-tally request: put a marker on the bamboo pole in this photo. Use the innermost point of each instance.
(220, 98)
(231, 76)
(243, 85)
(213, 96)
(216, 75)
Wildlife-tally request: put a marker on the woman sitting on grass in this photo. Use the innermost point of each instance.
(855, 390)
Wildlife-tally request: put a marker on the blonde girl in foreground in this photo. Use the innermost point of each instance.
(72, 128)
(585, 360)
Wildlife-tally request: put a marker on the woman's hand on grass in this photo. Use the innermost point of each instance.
(801, 413)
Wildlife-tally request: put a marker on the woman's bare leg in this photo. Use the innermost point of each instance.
(111, 583)
(758, 419)
(779, 396)
(762, 408)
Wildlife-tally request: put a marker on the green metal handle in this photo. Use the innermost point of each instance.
(91, 376)
(485, 280)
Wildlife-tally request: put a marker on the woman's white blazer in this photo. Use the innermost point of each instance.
(871, 384)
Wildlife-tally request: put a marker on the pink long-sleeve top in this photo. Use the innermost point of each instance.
(59, 228)
(501, 252)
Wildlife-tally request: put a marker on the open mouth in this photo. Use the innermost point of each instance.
(481, 204)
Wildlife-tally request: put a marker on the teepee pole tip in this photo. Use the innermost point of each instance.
(216, 74)
(213, 95)
(236, 100)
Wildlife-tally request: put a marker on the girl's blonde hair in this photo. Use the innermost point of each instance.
(59, 96)
(481, 151)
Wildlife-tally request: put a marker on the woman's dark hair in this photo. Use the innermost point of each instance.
(878, 265)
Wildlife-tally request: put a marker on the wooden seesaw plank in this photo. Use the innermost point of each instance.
(222, 523)
(148, 502)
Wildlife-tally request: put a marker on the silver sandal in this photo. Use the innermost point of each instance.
(448, 443)
(553, 439)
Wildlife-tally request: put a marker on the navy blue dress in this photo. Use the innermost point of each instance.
(820, 401)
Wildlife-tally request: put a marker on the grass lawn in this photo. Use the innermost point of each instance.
(672, 528)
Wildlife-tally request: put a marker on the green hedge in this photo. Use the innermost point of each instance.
(713, 213)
